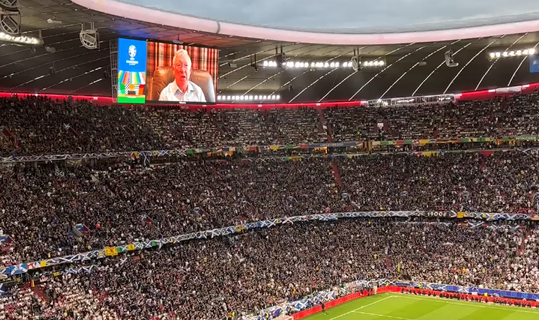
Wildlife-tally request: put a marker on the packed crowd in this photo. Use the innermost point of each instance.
(20, 304)
(513, 116)
(274, 126)
(502, 182)
(70, 301)
(178, 128)
(34, 125)
(49, 211)
(249, 272)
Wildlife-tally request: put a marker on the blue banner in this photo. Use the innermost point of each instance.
(132, 55)
(534, 64)
(472, 290)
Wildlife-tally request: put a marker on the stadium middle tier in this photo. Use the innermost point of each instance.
(209, 279)
(48, 211)
(36, 126)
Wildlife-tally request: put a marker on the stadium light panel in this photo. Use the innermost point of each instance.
(512, 53)
(20, 39)
(330, 64)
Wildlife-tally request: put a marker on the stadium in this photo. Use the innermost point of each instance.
(254, 160)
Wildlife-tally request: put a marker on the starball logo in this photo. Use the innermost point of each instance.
(132, 55)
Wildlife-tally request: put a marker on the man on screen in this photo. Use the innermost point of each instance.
(182, 89)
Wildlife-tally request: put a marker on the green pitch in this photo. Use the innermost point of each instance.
(410, 307)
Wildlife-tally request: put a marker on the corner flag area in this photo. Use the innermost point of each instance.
(392, 306)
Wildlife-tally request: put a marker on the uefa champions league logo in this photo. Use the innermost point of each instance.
(132, 52)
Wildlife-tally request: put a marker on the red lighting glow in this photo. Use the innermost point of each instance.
(474, 95)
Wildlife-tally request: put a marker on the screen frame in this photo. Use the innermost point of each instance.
(148, 75)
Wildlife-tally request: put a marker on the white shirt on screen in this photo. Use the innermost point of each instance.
(173, 93)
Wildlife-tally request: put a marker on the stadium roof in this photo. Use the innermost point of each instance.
(81, 71)
(340, 22)
(347, 16)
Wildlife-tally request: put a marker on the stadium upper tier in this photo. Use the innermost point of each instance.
(37, 126)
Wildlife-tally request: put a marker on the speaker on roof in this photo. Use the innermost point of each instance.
(89, 38)
(254, 63)
(9, 5)
(356, 63)
(356, 60)
(449, 60)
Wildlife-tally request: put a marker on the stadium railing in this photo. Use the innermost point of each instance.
(359, 146)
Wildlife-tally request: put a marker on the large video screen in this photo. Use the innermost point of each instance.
(156, 72)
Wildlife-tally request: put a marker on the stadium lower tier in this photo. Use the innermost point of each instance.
(49, 211)
(248, 272)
